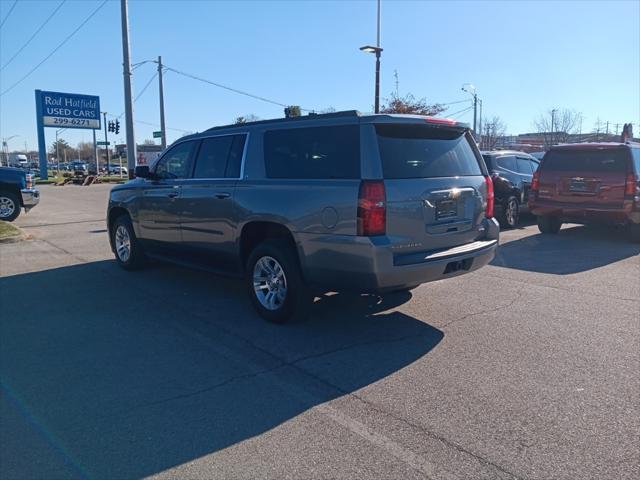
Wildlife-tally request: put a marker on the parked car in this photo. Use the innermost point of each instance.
(588, 183)
(16, 192)
(537, 155)
(334, 202)
(512, 174)
(116, 170)
(79, 168)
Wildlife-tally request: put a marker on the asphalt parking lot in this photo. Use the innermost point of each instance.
(528, 368)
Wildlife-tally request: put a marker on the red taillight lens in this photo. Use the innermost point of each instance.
(372, 208)
(535, 182)
(29, 180)
(631, 185)
(490, 198)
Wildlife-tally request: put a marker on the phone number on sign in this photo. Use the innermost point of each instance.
(71, 122)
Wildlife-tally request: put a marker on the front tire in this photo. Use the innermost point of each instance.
(9, 206)
(549, 224)
(510, 213)
(127, 249)
(275, 283)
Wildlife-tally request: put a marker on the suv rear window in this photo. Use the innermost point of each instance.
(316, 152)
(605, 160)
(417, 151)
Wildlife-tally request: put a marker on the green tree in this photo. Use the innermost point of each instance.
(408, 104)
(292, 111)
(246, 119)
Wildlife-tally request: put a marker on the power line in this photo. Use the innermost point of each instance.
(34, 34)
(235, 90)
(456, 102)
(157, 125)
(8, 13)
(57, 48)
(453, 115)
(145, 87)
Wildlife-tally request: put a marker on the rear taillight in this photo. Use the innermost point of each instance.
(29, 180)
(631, 187)
(490, 198)
(372, 208)
(535, 182)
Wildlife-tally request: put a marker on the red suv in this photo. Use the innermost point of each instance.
(588, 183)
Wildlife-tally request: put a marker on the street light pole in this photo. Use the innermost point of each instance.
(474, 95)
(163, 139)
(377, 50)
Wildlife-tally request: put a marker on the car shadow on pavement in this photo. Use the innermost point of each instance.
(110, 374)
(574, 249)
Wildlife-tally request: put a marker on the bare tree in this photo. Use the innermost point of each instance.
(493, 130)
(85, 150)
(557, 125)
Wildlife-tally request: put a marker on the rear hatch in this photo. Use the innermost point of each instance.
(435, 186)
(593, 177)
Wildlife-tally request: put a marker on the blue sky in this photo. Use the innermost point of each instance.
(523, 57)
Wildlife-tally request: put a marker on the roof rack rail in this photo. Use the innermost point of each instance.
(311, 116)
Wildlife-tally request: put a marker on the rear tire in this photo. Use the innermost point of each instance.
(274, 282)
(510, 213)
(127, 248)
(9, 206)
(549, 224)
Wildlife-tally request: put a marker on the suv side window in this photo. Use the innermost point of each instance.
(313, 153)
(508, 163)
(524, 166)
(220, 157)
(534, 166)
(636, 159)
(176, 163)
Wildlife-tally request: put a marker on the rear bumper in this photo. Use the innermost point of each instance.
(624, 215)
(30, 198)
(358, 264)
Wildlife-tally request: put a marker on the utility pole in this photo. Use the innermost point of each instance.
(106, 142)
(163, 139)
(553, 116)
(58, 150)
(480, 124)
(95, 153)
(607, 128)
(128, 100)
(378, 50)
(395, 74)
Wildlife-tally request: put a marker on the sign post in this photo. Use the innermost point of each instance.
(68, 110)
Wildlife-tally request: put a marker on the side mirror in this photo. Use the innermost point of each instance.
(142, 171)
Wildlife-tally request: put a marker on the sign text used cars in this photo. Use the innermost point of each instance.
(70, 110)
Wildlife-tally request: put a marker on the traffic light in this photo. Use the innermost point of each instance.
(112, 127)
(117, 127)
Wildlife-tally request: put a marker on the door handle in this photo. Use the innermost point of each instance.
(222, 195)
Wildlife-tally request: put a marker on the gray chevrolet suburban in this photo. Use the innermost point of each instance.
(298, 206)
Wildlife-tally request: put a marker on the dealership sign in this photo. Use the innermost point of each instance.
(69, 110)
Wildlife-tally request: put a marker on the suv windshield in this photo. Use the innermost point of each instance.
(421, 151)
(605, 160)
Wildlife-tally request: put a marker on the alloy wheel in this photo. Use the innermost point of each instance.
(269, 283)
(7, 207)
(123, 243)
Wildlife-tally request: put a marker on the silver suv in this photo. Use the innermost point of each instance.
(298, 206)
